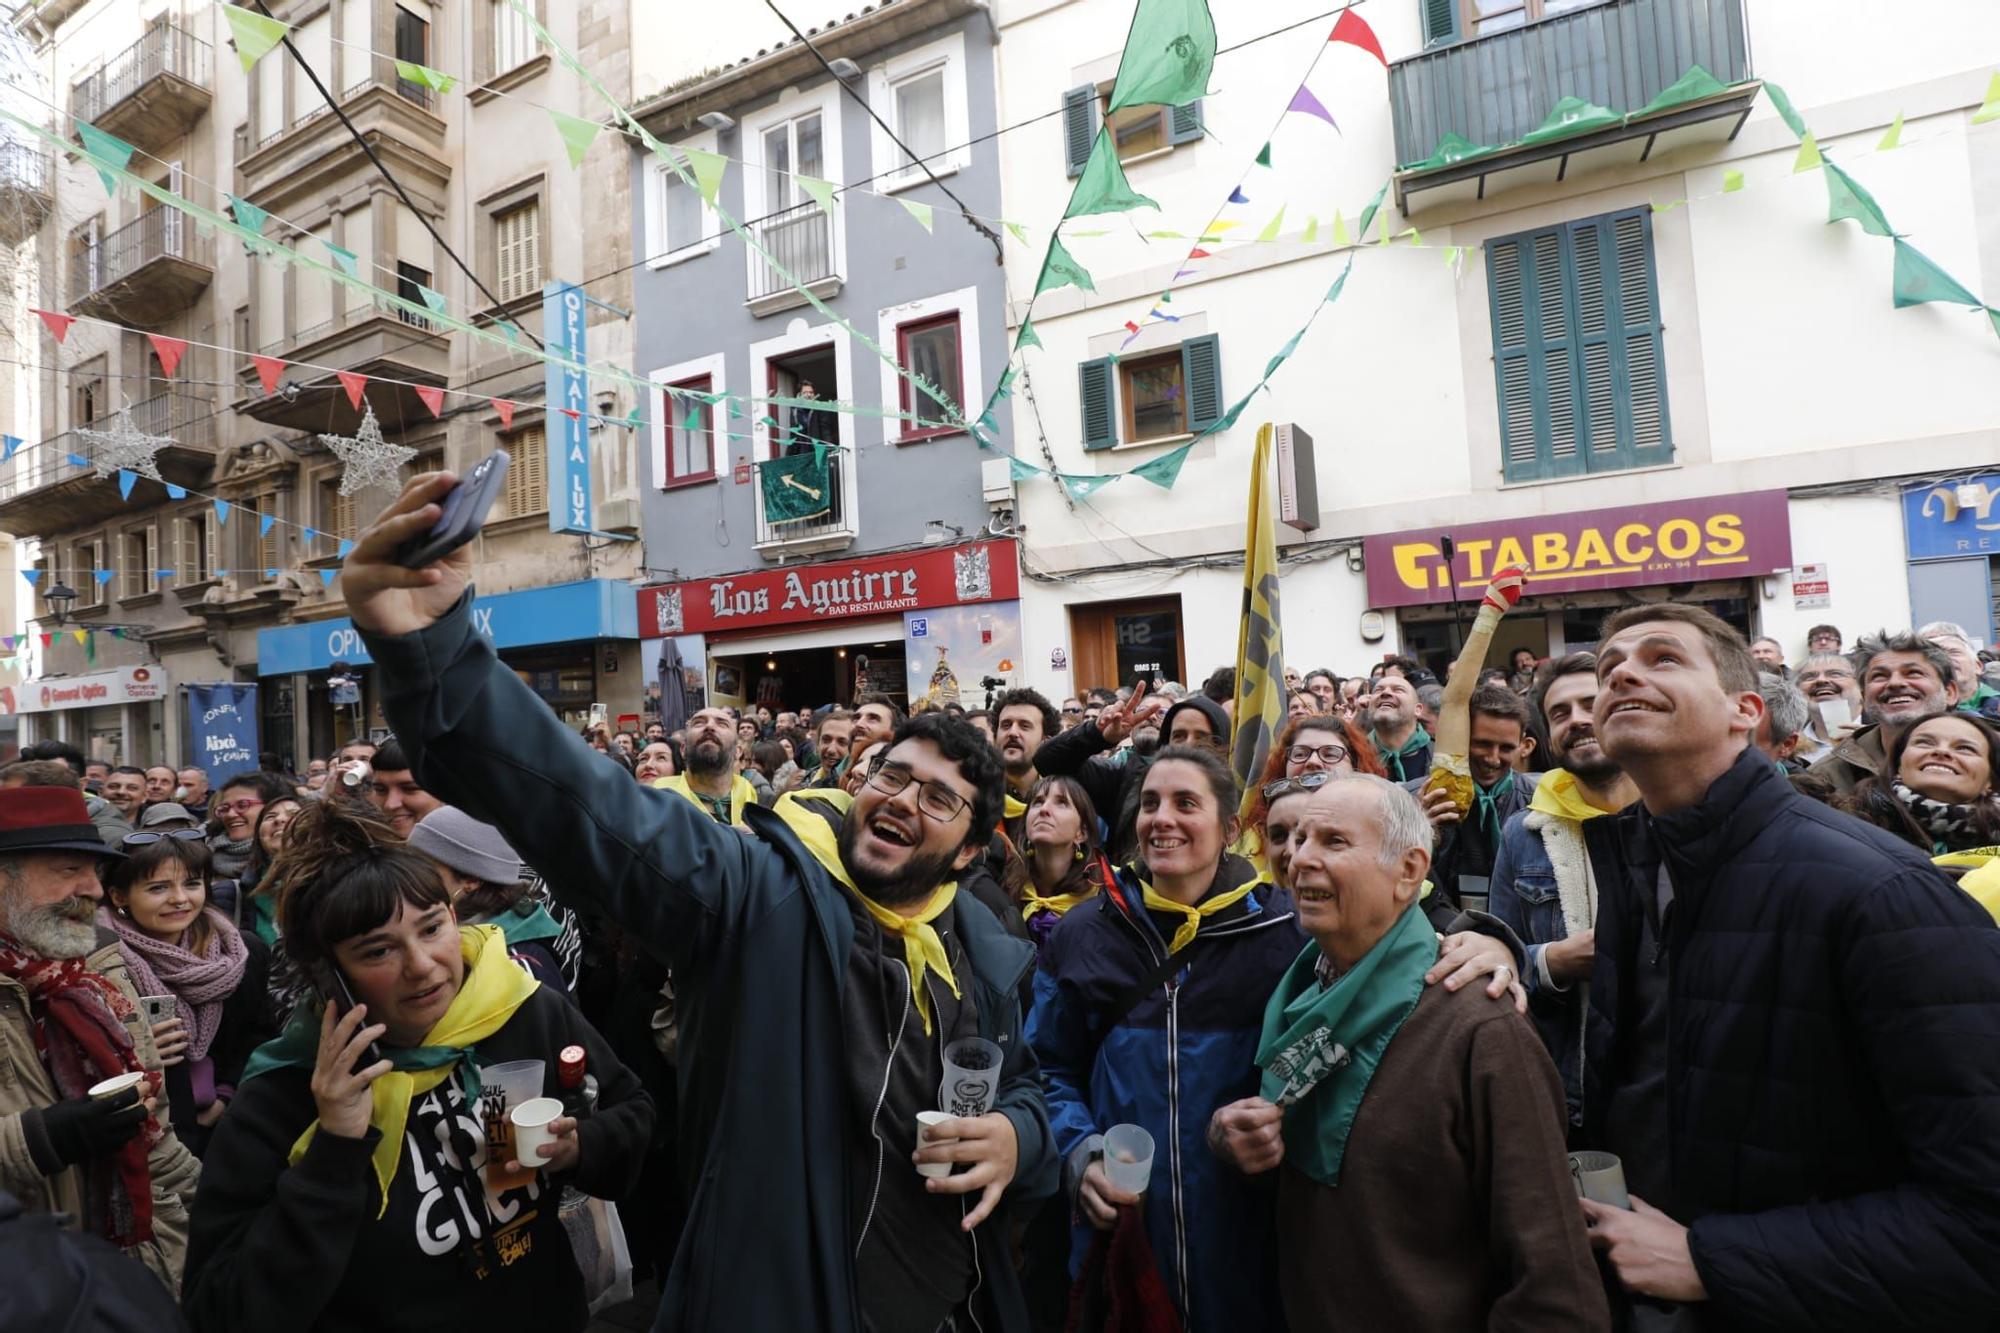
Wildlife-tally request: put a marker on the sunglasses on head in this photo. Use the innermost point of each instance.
(179, 835)
(1303, 782)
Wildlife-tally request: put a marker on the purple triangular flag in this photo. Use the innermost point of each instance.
(1303, 100)
(1236, 196)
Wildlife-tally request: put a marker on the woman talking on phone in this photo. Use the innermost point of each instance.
(350, 1185)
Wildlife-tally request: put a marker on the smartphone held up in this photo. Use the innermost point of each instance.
(465, 508)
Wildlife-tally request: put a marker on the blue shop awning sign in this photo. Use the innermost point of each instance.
(563, 613)
(1952, 519)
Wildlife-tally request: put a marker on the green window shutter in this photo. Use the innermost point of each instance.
(1201, 377)
(1507, 286)
(1184, 123)
(1079, 119)
(1094, 392)
(1644, 395)
(1534, 355)
(1440, 22)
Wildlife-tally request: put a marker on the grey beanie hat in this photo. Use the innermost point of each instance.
(454, 838)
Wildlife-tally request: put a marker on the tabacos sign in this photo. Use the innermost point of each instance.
(837, 590)
(1682, 541)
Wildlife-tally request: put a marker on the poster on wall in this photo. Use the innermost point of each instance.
(222, 729)
(962, 654)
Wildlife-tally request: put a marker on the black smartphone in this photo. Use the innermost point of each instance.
(332, 987)
(465, 510)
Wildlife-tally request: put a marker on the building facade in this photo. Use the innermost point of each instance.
(1612, 339)
(477, 171)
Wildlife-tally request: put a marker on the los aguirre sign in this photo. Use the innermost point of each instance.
(836, 590)
(1680, 541)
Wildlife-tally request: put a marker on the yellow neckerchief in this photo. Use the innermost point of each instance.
(1011, 807)
(741, 795)
(1558, 795)
(1982, 879)
(492, 990)
(923, 950)
(1185, 933)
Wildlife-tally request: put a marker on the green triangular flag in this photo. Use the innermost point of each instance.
(1020, 471)
(248, 214)
(1019, 232)
(1416, 237)
(1102, 187)
(436, 80)
(1994, 315)
(1169, 52)
(1809, 156)
(1846, 198)
(1990, 108)
(1786, 112)
(344, 259)
(1165, 470)
(1333, 292)
(1284, 353)
(1264, 154)
(1270, 232)
(635, 419)
(708, 169)
(1894, 138)
(1732, 181)
(1692, 86)
(254, 34)
(1166, 235)
(1027, 336)
(104, 150)
(925, 215)
(1368, 213)
(1084, 485)
(577, 134)
(1060, 269)
(435, 300)
(820, 191)
(1918, 279)
(1340, 236)
(1312, 229)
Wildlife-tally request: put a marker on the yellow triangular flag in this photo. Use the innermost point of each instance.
(1732, 181)
(1990, 108)
(1808, 158)
(81, 635)
(1217, 228)
(1894, 138)
(1270, 232)
(1312, 229)
(1340, 236)
(1416, 237)
(922, 213)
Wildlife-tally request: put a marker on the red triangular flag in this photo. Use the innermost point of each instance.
(506, 410)
(268, 370)
(58, 324)
(1130, 327)
(48, 640)
(433, 398)
(355, 383)
(169, 350)
(571, 413)
(1354, 30)
(1198, 253)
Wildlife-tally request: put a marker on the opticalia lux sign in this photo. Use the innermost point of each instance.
(1681, 541)
(841, 590)
(127, 685)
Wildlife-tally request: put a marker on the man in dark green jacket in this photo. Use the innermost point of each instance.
(823, 962)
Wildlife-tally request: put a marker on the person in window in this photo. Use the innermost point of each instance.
(810, 425)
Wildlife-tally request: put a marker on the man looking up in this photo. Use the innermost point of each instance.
(159, 784)
(829, 951)
(194, 791)
(1403, 744)
(1904, 679)
(1467, 845)
(1823, 639)
(1974, 694)
(876, 718)
(1827, 679)
(1749, 920)
(830, 743)
(395, 791)
(1769, 655)
(711, 779)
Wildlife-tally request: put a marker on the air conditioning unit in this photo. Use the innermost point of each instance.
(996, 482)
(618, 516)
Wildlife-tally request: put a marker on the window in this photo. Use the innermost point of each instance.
(690, 428)
(413, 43)
(795, 148)
(1577, 348)
(409, 278)
(267, 548)
(1448, 20)
(336, 511)
(86, 257)
(194, 549)
(1138, 131)
(929, 349)
(1157, 396)
(528, 476)
(86, 558)
(513, 42)
(87, 397)
(920, 118)
(136, 575)
(518, 243)
(679, 224)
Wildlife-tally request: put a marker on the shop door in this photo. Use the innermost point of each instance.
(1116, 642)
(1961, 591)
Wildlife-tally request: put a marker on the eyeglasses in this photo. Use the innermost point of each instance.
(1328, 754)
(1072, 712)
(243, 807)
(178, 835)
(934, 798)
(1303, 782)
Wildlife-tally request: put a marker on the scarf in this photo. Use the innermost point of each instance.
(1950, 826)
(525, 922)
(198, 984)
(1192, 917)
(1322, 1044)
(228, 860)
(1011, 807)
(923, 948)
(487, 999)
(1419, 741)
(1486, 809)
(264, 917)
(79, 1026)
(1558, 794)
(741, 796)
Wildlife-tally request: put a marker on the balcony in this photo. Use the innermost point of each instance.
(152, 92)
(144, 273)
(1473, 118)
(831, 531)
(314, 155)
(25, 197)
(44, 492)
(802, 242)
(383, 343)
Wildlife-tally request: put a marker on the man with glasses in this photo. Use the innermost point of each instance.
(822, 964)
(1468, 843)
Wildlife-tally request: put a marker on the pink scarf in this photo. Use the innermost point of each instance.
(199, 985)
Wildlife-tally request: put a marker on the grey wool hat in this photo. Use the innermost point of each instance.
(454, 838)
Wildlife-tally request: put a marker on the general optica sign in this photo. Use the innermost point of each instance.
(1681, 541)
(132, 684)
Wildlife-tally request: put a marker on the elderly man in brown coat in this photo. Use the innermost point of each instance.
(69, 1021)
(1419, 1130)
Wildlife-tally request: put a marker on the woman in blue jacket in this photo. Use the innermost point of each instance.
(1147, 1012)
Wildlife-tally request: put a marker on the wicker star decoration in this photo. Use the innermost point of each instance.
(124, 448)
(370, 459)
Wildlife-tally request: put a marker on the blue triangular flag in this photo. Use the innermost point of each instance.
(270, 573)
(11, 443)
(163, 573)
(103, 576)
(311, 535)
(222, 573)
(264, 522)
(345, 547)
(33, 576)
(222, 512)
(176, 492)
(76, 460)
(127, 479)
(1236, 196)
(327, 576)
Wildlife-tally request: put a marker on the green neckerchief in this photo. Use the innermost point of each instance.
(1419, 739)
(1321, 1044)
(264, 920)
(527, 921)
(1486, 807)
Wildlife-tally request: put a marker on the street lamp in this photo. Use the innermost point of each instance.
(60, 599)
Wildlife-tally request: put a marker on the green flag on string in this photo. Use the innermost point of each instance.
(1732, 181)
(1847, 198)
(1990, 108)
(1809, 157)
(1368, 213)
(343, 259)
(1918, 279)
(1340, 236)
(1571, 115)
(1692, 86)
(1019, 232)
(1894, 138)
(104, 150)
(1060, 269)
(1021, 471)
(1994, 315)
(1264, 154)
(248, 214)
(1168, 55)
(1786, 111)
(925, 215)
(436, 80)
(1312, 229)
(435, 300)
(577, 134)
(821, 192)
(1165, 470)
(1027, 337)
(1271, 228)
(1083, 485)
(254, 34)
(708, 168)
(795, 488)
(1102, 187)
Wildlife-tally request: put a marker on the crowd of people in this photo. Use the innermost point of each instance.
(1023, 1018)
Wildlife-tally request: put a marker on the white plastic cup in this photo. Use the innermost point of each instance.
(926, 1121)
(971, 1076)
(532, 1120)
(1128, 1158)
(116, 1084)
(1600, 1177)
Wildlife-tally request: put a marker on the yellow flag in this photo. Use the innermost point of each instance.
(1260, 658)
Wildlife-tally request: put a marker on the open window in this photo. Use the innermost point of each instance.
(1139, 132)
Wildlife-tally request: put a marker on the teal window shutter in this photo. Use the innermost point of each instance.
(1079, 119)
(1094, 391)
(1440, 22)
(1184, 123)
(1201, 377)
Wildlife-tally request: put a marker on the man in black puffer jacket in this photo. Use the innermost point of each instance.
(1792, 1027)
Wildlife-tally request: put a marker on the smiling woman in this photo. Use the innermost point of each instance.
(1944, 795)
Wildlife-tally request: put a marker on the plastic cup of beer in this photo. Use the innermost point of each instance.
(971, 1076)
(926, 1121)
(1128, 1158)
(532, 1121)
(503, 1087)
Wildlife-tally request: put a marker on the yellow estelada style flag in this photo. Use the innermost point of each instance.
(1260, 658)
